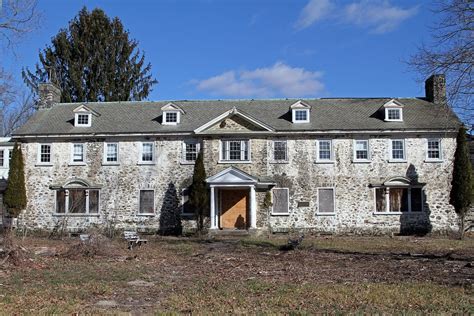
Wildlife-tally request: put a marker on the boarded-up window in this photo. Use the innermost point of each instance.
(398, 200)
(94, 201)
(326, 200)
(77, 201)
(416, 200)
(187, 207)
(147, 201)
(280, 201)
(61, 201)
(380, 201)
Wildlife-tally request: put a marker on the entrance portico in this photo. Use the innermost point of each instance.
(233, 200)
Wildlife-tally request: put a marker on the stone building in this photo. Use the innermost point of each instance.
(372, 165)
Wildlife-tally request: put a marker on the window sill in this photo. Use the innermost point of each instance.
(434, 160)
(187, 162)
(235, 161)
(44, 165)
(75, 215)
(77, 164)
(110, 164)
(326, 214)
(280, 162)
(361, 161)
(146, 214)
(146, 163)
(280, 214)
(397, 161)
(327, 162)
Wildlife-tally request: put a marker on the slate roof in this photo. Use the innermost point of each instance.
(349, 114)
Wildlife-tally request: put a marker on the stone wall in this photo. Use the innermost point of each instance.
(354, 206)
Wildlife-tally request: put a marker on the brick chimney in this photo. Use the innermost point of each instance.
(49, 94)
(435, 89)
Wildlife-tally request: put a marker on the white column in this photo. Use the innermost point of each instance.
(253, 208)
(213, 208)
(387, 200)
(409, 200)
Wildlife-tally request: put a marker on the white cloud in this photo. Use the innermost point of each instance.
(380, 16)
(279, 80)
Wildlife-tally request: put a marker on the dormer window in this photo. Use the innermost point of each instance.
(83, 120)
(83, 116)
(171, 114)
(300, 112)
(393, 111)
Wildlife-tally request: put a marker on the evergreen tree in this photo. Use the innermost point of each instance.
(199, 197)
(15, 195)
(93, 60)
(461, 191)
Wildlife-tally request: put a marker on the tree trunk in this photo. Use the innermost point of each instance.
(462, 226)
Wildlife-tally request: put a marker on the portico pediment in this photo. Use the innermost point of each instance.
(232, 175)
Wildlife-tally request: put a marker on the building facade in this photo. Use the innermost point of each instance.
(328, 165)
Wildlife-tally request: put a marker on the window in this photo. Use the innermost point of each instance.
(187, 208)
(325, 200)
(433, 149)
(397, 149)
(44, 155)
(78, 153)
(324, 150)
(280, 152)
(301, 116)
(191, 149)
(111, 152)
(171, 117)
(2, 158)
(392, 114)
(280, 201)
(77, 201)
(147, 153)
(235, 150)
(82, 119)
(398, 200)
(147, 202)
(361, 150)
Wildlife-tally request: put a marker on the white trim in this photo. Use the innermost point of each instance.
(76, 119)
(223, 159)
(66, 202)
(104, 158)
(293, 115)
(354, 151)
(38, 157)
(288, 203)
(139, 204)
(170, 106)
(184, 142)
(387, 200)
(272, 149)
(390, 150)
(164, 120)
(333, 188)
(247, 179)
(7, 151)
(77, 163)
(140, 157)
(400, 112)
(441, 156)
(331, 148)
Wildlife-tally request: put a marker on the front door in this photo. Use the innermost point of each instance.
(234, 209)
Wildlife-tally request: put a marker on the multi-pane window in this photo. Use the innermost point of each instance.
(147, 152)
(280, 200)
(301, 115)
(78, 153)
(83, 119)
(398, 200)
(147, 202)
(2, 158)
(171, 117)
(397, 149)
(325, 200)
(111, 152)
(280, 152)
(44, 153)
(324, 148)
(394, 114)
(434, 149)
(187, 208)
(190, 150)
(77, 201)
(235, 150)
(361, 150)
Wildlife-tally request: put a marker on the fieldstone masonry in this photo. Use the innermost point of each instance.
(354, 204)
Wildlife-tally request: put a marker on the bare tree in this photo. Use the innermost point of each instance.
(17, 18)
(452, 53)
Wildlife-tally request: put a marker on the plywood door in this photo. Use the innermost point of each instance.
(234, 209)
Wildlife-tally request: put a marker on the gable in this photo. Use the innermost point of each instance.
(232, 175)
(234, 124)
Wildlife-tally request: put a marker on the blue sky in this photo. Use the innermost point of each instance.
(213, 49)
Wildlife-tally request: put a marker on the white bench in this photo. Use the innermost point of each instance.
(133, 239)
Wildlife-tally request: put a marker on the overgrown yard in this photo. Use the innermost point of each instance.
(334, 274)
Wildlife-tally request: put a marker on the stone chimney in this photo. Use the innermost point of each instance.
(49, 94)
(435, 89)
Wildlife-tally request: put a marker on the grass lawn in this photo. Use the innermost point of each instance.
(328, 274)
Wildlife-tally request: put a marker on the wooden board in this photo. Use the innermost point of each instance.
(234, 209)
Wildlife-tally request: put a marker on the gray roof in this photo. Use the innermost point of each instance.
(351, 114)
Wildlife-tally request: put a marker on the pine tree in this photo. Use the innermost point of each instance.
(199, 197)
(461, 191)
(93, 60)
(15, 195)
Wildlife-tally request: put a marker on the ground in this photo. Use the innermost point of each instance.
(182, 275)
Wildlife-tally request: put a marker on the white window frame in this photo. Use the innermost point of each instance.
(183, 150)
(331, 148)
(140, 158)
(288, 206)
(400, 111)
(43, 163)
(354, 146)
(226, 159)
(333, 213)
(66, 202)
(387, 200)
(293, 115)
(440, 159)
(165, 121)
(5, 158)
(78, 124)
(139, 204)
(104, 160)
(78, 163)
(390, 150)
(273, 160)
(182, 202)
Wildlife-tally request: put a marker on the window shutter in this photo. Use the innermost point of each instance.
(280, 201)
